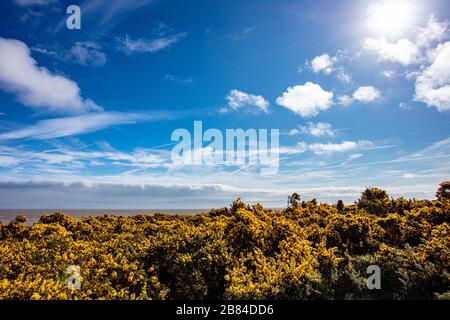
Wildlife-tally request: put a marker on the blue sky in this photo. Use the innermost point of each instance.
(360, 91)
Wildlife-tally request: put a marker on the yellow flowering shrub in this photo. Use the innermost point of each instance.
(306, 251)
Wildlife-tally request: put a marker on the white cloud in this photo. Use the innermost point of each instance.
(433, 31)
(330, 148)
(106, 14)
(79, 158)
(306, 100)
(130, 46)
(25, 3)
(343, 76)
(433, 84)
(88, 53)
(345, 100)
(323, 63)
(388, 73)
(174, 78)
(352, 157)
(134, 185)
(96, 193)
(6, 161)
(390, 17)
(35, 86)
(403, 51)
(404, 106)
(366, 94)
(240, 35)
(68, 126)
(327, 64)
(293, 132)
(84, 53)
(238, 100)
(319, 129)
(45, 51)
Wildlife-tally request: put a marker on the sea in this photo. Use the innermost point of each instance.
(33, 215)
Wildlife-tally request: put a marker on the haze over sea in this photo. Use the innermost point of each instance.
(33, 215)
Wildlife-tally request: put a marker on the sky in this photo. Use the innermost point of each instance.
(358, 89)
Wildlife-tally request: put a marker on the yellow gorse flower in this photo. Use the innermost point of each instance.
(307, 251)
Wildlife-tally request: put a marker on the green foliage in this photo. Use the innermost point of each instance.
(340, 206)
(294, 200)
(306, 251)
(374, 201)
(443, 192)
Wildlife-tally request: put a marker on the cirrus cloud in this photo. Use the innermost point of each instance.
(68, 126)
(130, 46)
(26, 3)
(88, 53)
(330, 148)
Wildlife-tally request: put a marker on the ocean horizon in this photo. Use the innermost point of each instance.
(33, 215)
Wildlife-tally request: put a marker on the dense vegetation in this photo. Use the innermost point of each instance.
(306, 251)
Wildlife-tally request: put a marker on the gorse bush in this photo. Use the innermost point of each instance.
(306, 251)
(443, 192)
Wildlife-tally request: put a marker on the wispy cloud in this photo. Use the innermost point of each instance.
(327, 64)
(437, 150)
(88, 53)
(85, 53)
(76, 125)
(433, 32)
(240, 35)
(176, 79)
(109, 13)
(130, 46)
(330, 148)
(26, 3)
(352, 157)
(6, 161)
(142, 174)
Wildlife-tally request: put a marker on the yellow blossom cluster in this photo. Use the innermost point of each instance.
(306, 251)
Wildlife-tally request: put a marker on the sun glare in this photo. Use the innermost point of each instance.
(390, 17)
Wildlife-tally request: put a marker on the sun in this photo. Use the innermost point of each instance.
(390, 17)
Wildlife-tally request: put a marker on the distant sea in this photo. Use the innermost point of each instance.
(33, 215)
